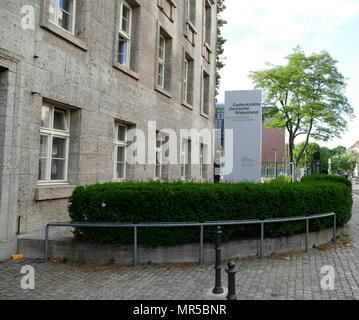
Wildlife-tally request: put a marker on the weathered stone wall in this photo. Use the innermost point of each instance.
(49, 64)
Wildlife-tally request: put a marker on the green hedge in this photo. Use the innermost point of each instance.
(175, 202)
(327, 178)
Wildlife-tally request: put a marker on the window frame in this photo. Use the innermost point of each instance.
(161, 62)
(205, 93)
(207, 28)
(125, 35)
(185, 161)
(52, 133)
(117, 144)
(160, 152)
(203, 168)
(170, 15)
(185, 81)
(57, 9)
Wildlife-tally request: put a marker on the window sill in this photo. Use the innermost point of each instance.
(119, 180)
(187, 105)
(204, 115)
(163, 91)
(207, 52)
(208, 47)
(64, 34)
(191, 26)
(126, 70)
(53, 191)
(168, 15)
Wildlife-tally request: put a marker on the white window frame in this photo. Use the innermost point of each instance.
(124, 34)
(58, 12)
(185, 80)
(159, 153)
(51, 133)
(119, 143)
(161, 62)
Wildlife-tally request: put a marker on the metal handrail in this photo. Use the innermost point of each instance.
(135, 226)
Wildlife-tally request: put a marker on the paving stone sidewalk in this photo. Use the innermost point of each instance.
(296, 276)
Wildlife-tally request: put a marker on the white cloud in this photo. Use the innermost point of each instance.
(260, 31)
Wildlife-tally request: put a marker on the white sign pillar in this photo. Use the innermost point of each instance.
(243, 115)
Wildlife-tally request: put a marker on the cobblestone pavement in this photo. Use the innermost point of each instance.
(296, 276)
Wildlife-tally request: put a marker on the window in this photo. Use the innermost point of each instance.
(161, 168)
(120, 151)
(190, 21)
(168, 8)
(185, 80)
(186, 159)
(188, 77)
(207, 28)
(205, 93)
(190, 11)
(54, 144)
(163, 67)
(202, 162)
(62, 13)
(127, 41)
(124, 48)
(161, 62)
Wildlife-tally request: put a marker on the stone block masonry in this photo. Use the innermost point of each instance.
(73, 68)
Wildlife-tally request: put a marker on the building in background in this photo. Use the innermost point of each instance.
(75, 77)
(273, 145)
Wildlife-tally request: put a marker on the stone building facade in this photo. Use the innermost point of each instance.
(75, 77)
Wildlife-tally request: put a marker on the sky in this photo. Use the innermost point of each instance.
(260, 31)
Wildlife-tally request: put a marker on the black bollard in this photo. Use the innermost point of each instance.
(218, 285)
(231, 281)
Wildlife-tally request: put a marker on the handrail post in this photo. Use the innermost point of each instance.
(335, 229)
(46, 243)
(307, 235)
(262, 240)
(201, 246)
(218, 285)
(135, 255)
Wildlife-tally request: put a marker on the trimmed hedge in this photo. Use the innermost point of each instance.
(177, 202)
(327, 178)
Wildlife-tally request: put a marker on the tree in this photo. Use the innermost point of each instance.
(307, 96)
(338, 150)
(345, 162)
(307, 159)
(220, 43)
(324, 159)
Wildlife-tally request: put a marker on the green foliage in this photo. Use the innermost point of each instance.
(327, 178)
(281, 179)
(307, 160)
(324, 158)
(111, 261)
(307, 96)
(338, 150)
(179, 202)
(345, 162)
